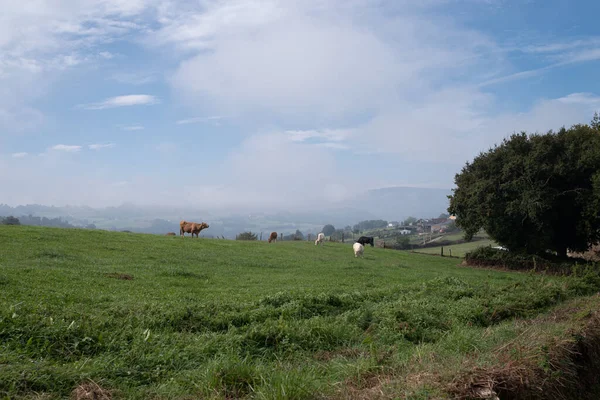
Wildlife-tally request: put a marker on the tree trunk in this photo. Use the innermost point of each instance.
(562, 252)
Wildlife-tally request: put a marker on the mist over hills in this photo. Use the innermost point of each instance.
(393, 203)
(397, 203)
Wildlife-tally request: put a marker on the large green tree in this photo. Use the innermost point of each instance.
(534, 193)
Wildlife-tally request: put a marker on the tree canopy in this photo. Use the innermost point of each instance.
(409, 220)
(328, 230)
(370, 224)
(534, 193)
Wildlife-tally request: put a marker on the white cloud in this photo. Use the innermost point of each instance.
(122, 101)
(196, 120)
(101, 146)
(584, 99)
(331, 135)
(133, 128)
(383, 80)
(333, 145)
(19, 155)
(325, 77)
(256, 173)
(41, 40)
(454, 132)
(327, 62)
(66, 148)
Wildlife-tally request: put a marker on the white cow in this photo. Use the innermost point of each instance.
(320, 238)
(358, 249)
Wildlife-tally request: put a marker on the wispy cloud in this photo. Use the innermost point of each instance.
(563, 46)
(199, 119)
(66, 148)
(333, 145)
(133, 128)
(586, 99)
(517, 75)
(19, 155)
(328, 135)
(122, 101)
(101, 146)
(556, 55)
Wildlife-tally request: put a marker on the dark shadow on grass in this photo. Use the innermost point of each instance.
(185, 274)
(117, 275)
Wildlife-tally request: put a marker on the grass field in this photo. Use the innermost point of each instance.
(458, 250)
(151, 317)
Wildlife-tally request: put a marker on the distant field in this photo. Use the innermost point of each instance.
(458, 250)
(153, 317)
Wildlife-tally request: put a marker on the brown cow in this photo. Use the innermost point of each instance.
(191, 227)
(171, 234)
(273, 237)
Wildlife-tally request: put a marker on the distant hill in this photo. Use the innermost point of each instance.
(397, 203)
(392, 204)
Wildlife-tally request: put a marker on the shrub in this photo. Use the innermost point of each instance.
(488, 256)
(10, 221)
(403, 242)
(246, 236)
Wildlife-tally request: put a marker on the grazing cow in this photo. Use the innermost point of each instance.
(191, 227)
(171, 234)
(320, 238)
(366, 240)
(359, 249)
(273, 237)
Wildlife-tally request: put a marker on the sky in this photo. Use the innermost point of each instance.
(277, 103)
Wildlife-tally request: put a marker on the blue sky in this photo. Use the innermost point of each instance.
(278, 103)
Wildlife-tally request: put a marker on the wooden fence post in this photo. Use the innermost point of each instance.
(450, 250)
(261, 236)
(442, 251)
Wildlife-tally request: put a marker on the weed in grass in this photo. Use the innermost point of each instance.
(90, 391)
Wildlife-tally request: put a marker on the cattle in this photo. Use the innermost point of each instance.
(171, 234)
(359, 249)
(273, 237)
(191, 227)
(320, 238)
(366, 240)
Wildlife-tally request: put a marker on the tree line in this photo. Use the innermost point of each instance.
(39, 221)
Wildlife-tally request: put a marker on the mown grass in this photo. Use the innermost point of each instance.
(153, 317)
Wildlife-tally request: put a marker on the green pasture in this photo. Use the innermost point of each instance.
(156, 317)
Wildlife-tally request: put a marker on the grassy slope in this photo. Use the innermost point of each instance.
(214, 318)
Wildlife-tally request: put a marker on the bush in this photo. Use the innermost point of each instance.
(246, 236)
(488, 256)
(11, 221)
(403, 242)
